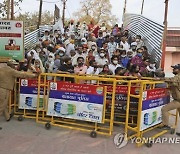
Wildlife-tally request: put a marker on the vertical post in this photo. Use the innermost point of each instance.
(63, 14)
(125, 4)
(40, 13)
(12, 9)
(8, 9)
(124, 11)
(142, 7)
(164, 34)
(54, 17)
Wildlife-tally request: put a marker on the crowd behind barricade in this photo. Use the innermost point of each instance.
(91, 49)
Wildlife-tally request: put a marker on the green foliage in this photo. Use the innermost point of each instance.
(31, 19)
(4, 7)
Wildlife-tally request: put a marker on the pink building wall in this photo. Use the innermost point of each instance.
(172, 58)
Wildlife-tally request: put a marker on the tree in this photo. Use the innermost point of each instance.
(99, 11)
(4, 7)
(31, 19)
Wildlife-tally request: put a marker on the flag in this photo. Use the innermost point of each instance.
(57, 12)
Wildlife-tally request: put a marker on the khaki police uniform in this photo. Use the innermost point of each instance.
(7, 82)
(174, 85)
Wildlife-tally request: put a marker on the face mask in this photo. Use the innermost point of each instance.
(50, 59)
(133, 48)
(93, 47)
(137, 40)
(46, 37)
(102, 54)
(139, 54)
(115, 62)
(61, 54)
(123, 56)
(37, 65)
(152, 65)
(38, 50)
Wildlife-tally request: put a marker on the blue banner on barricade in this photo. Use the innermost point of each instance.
(76, 101)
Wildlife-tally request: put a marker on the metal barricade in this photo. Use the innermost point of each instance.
(24, 101)
(62, 92)
(150, 101)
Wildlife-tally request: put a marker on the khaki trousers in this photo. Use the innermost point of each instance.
(171, 106)
(4, 97)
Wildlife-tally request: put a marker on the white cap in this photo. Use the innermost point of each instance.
(93, 43)
(66, 42)
(134, 43)
(83, 39)
(61, 49)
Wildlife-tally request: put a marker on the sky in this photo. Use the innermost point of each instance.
(153, 9)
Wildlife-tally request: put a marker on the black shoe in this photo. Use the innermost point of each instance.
(0, 128)
(11, 115)
(178, 134)
(165, 127)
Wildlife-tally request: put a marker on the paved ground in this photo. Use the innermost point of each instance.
(27, 137)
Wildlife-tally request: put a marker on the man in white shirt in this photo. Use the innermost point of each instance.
(46, 35)
(101, 59)
(79, 54)
(73, 57)
(124, 43)
(92, 70)
(139, 42)
(49, 65)
(69, 46)
(114, 64)
(112, 46)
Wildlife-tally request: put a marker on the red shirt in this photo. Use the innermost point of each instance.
(90, 27)
(96, 30)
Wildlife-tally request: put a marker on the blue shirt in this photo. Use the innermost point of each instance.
(125, 61)
(99, 42)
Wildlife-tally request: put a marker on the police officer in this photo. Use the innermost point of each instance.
(8, 74)
(174, 85)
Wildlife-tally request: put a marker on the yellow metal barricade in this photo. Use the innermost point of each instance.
(21, 103)
(138, 131)
(122, 101)
(105, 127)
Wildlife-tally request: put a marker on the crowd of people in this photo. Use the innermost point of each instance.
(90, 49)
